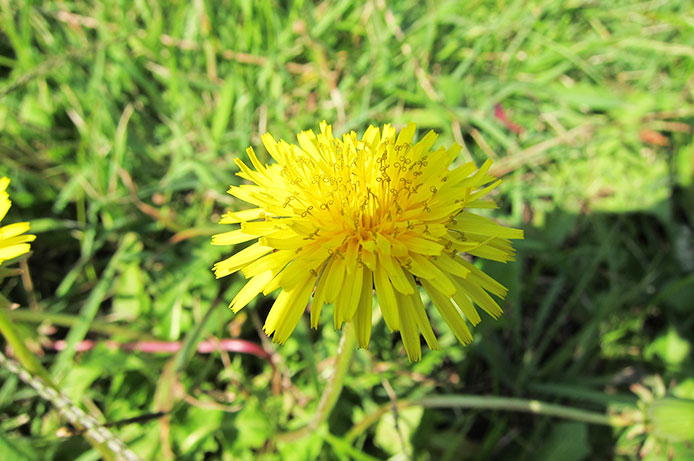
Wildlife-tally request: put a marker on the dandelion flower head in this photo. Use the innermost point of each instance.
(13, 240)
(336, 219)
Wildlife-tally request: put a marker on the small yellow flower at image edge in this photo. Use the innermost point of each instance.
(336, 219)
(13, 240)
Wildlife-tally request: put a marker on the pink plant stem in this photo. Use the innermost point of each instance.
(500, 114)
(169, 347)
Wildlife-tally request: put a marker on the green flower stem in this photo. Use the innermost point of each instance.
(481, 402)
(333, 388)
(520, 405)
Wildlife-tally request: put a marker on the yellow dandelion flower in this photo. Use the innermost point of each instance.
(337, 218)
(13, 240)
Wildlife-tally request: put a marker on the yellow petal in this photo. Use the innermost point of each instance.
(348, 299)
(386, 298)
(254, 160)
(236, 217)
(335, 273)
(13, 251)
(483, 280)
(369, 259)
(249, 174)
(462, 299)
(240, 259)
(26, 238)
(422, 267)
(484, 191)
(362, 318)
(307, 141)
(421, 317)
(417, 244)
(271, 146)
(12, 230)
(250, 290)
(318, 298)
(395, 274)
(4, 204)
(463, 171)
(406, 134)
(449, 313)
(383, 244)
(287, 309)
(492, 252)
(283, 241)
(262, 227)
(408, 326)
(468, 222)
(453, 265)
(232, 237)
(480, 297)
(427, 141)
(351, 256)
(273, 262)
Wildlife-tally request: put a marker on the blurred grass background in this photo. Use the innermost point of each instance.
(119, 123)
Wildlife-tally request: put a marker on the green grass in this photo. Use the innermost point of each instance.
(119, 125)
